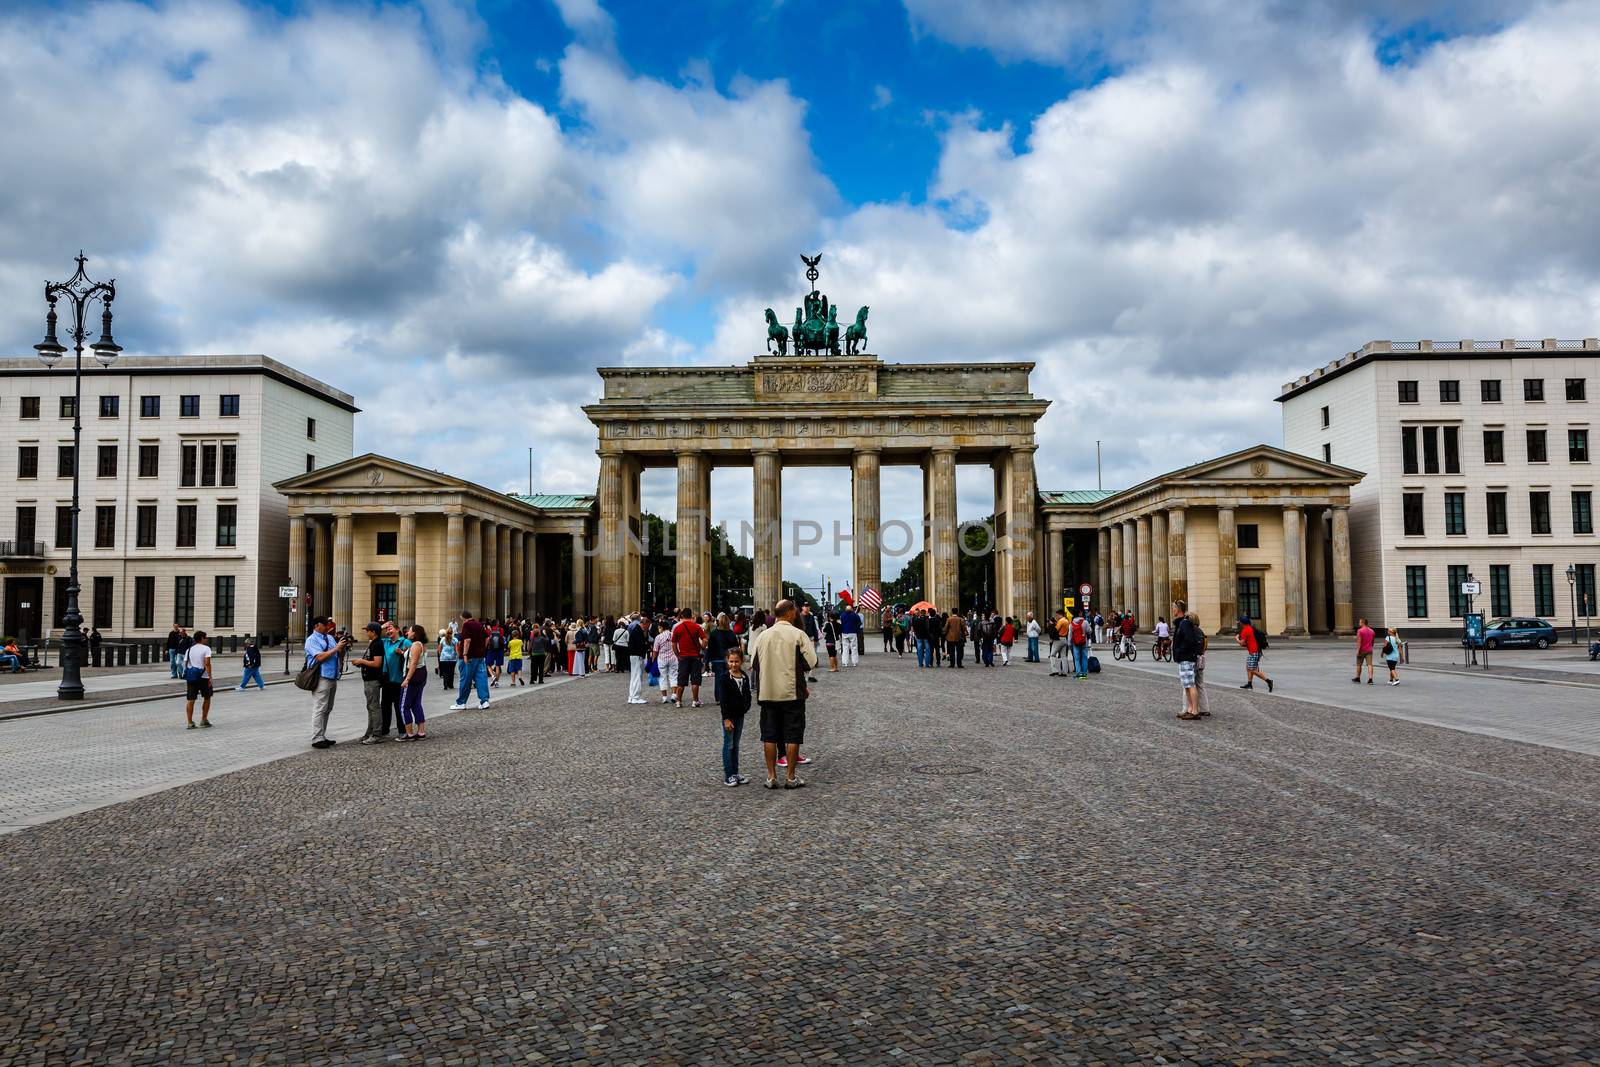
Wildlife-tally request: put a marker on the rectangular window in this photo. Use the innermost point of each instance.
(149, 407)
(1578, 446)
(311, 463)
(149, 461)
(1500, 590)
(1408, 449)
(106, 461)
(228, 405)
(183, 600)
(27, 528)
(1544, 589)
(227, 525)
(1490, 390)
(1412, 510)
(60, 610)
(189, 472)
(189, 406)
(1533, 389)
(101, 616)
(208, 464)
(1248, 535)
(385, 601)
(1584, 589)
(69, 406)
(30, 408)
(1408, 392)
(110, 406)
(1450, 391)
(27, 461)
(386, 545)
(1536, 449)
(1495, 508)
(222, 609)
(144, 602)
(1539, 512)
(64, 526)
(66, 461)
(1417, 592)
(230, 465)
(1452, 450)
(186, 525)
(1455, 576)
(105, 526)
(1494, 446)
(1576, 389)
(311, 425)
(145, 526)
(1455, 513)
(1430, 450)
(1327, 453)
(1582, 512)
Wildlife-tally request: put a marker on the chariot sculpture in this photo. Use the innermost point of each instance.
(816, 323)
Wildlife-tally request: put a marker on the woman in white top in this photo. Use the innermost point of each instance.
(666, 662)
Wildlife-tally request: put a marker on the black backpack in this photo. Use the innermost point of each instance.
(1261, 637)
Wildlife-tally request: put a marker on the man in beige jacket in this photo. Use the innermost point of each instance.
(780, 658)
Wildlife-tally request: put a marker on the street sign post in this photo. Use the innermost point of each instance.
(291, 593)
(1471, 588)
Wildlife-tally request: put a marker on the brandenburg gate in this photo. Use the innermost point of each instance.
(817, 406)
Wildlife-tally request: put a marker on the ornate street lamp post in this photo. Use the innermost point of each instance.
(1572, 587)
(79, 292)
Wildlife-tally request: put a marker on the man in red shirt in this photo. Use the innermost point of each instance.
(471, 644)
(688, 642)
(1252, 654)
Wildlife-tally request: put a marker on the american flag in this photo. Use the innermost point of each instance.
(870, 600)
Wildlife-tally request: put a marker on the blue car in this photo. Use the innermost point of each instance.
(1519, 633)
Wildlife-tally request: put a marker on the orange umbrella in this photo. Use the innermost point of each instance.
(922, 605)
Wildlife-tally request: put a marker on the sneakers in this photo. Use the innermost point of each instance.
(324, 743)
(742, 779)
(804, 760)
(369, 740)
(696, 704)
(483, 705)
(1369, 681)
(1394, 681)
(794, 783)
(1248, 685)
(783, 761)
(731, 781)
(1356, 679)
(666, 700)
(772, 783)
(192, 726)
(458, 706)
(1269, 685)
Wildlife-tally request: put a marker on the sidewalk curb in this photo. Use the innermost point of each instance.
(69, 707)
(1466, 672)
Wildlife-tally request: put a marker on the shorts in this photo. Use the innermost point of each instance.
(783, 722)
(1363, 657)
(1252, 661)
(200, 687)
(494, 659)
(1186, 675)
(689, 670)
(514, 666)
(832, 651)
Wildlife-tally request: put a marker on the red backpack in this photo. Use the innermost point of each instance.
(1077, 631)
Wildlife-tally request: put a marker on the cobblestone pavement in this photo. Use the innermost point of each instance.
(986, 867)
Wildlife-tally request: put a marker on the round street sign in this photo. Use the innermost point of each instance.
(1085, 589)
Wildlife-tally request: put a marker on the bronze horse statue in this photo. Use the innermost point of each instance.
(776, 334)
(855, 336)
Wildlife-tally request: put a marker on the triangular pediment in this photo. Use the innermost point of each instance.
(1265, 463)
(370, 472)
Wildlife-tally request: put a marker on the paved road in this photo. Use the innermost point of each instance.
(991, 867)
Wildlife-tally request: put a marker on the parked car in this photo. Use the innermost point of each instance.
(1519, 633)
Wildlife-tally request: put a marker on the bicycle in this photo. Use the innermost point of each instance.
(1125, 648)
(1162, 649)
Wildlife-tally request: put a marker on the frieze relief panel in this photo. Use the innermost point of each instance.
(810, 383)
(819, 429)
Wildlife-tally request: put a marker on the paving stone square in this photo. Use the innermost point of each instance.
(987, 866)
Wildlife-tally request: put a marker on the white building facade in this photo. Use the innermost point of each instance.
(178, 518)
(1478, 460)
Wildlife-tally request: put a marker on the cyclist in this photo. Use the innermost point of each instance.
(1163, 637)
(1129, 628)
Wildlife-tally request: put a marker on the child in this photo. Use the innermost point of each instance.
(1391, 654)
(735, 698)
(514, 658)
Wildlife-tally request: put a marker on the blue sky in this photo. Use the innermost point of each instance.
(1170, 206)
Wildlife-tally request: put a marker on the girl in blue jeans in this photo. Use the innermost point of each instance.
(735, 701)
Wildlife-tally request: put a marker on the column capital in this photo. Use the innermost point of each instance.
(1025, 448)
(941, 450)
(868, 451)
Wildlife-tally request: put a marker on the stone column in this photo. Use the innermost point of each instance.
(406, 595)
(502, 569)
(1146, 608)
(1104, 582)
(472, 581)
(1160, 577)
(691, 531)
(1316, 573)
(580, 576)
(344, 570)
(946, 569)
(865, 499)
(297, 575)
(455, 562)
(1177, 555)
(519, 572)
(1111, 591)
(1022, 532)
(489, 573)
(322, 588)
(1056, 583)
(1130, 565)
(1227, 571)
(768, 548)
(1343, 591)
(530, 585)
(1294, 562)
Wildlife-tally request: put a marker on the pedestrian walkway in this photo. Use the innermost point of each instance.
(45, 684)
(1531, 707)
(52, 766)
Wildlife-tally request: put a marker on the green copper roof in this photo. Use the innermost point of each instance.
(1075, 496)
(554, 501)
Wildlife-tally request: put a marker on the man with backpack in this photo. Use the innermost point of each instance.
(1254, 642)
(1078, 638)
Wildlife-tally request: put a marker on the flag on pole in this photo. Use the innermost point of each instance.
(844, 595)
(870, 600)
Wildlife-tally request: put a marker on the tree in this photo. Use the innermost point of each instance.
(732, 574)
